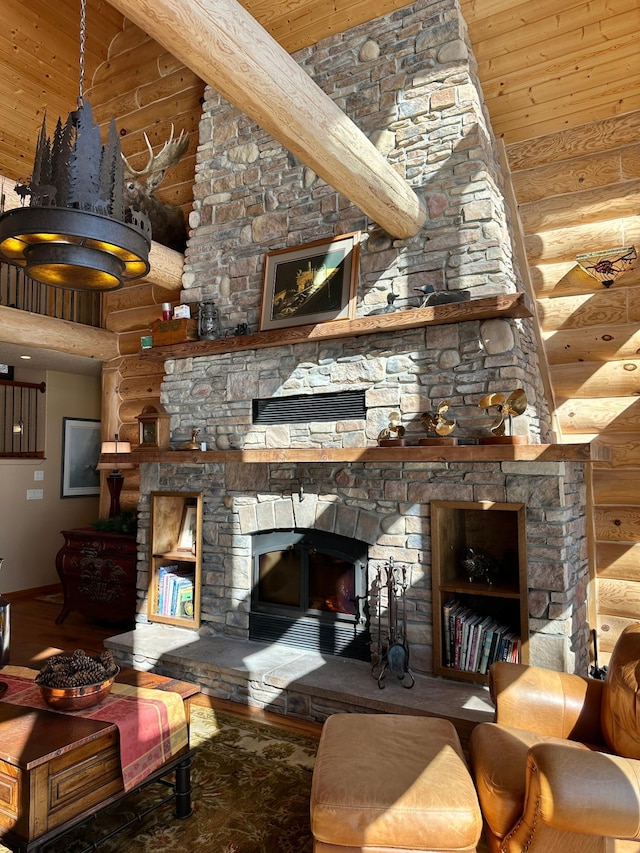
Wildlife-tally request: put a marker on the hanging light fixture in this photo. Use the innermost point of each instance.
(75, 232)
(608, 265)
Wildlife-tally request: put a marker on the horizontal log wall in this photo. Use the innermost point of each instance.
(578, 192)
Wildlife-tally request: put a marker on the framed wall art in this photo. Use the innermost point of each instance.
(187, 541)
(80, 454)
(311, 284)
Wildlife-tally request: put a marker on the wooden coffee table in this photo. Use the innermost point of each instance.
(57, 770)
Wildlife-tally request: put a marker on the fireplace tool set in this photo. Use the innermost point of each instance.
(393, 654)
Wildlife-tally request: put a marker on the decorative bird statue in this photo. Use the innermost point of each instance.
(508, 407)
(395, 428)
(436, 421)
(479, 565)
(389, 308)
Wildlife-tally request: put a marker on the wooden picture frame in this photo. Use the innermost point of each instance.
(81, 442)
(309, 284)
(188, 530)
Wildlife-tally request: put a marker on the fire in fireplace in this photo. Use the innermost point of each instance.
(310, 590)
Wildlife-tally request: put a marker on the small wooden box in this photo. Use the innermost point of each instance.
(173, 331)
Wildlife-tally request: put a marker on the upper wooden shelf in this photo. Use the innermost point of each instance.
(502, 305)
(456, 453)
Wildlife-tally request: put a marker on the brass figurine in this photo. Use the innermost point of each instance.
(436, 421)
(193, 444)
(395, 428)
(508, 407)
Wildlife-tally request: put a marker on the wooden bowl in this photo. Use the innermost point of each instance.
(77, 698)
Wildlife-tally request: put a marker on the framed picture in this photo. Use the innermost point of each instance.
(187, 540)
(6, 371)
(310, 284)
(80, 455)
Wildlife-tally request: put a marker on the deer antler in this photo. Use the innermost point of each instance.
(169, 154)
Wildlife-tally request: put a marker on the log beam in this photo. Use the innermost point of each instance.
(40, 332)
(227, 48)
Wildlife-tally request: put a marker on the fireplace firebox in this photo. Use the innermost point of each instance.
(310, 590)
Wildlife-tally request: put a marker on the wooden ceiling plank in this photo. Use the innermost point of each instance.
(313, 22)
(487, 20)
(581, 67)
(552, 53)
(566, 95)
(596, 136)
(510, 35)
(304, 24)
(546, 120)
(613, 201)
(223, 45)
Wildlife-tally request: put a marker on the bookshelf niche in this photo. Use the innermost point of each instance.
(476, 622)
(175, 557)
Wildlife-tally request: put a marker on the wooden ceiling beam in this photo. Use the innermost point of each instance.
(228, 49)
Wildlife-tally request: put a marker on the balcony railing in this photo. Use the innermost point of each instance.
(21, 419)
(19, 291)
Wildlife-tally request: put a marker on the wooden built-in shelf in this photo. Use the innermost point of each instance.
(456, 453)
(502, 305)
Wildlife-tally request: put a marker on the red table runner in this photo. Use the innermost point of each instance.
(151, 723)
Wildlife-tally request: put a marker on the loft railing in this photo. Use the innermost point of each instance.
(19, 291)
(22, 419)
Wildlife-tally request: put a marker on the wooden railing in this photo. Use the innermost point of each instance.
(21, 419)
(19, 291)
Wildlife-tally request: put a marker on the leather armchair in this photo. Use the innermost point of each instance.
(559, 769)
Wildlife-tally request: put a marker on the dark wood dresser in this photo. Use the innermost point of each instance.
(98, 574)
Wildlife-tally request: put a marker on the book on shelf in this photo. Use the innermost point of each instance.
(472, 641)
(448, 608)
(175, 590)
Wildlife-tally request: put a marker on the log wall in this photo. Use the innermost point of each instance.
(578, 192)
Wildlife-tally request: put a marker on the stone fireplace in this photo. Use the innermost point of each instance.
(408, 80)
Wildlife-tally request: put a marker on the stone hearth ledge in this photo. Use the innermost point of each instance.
(294, 682)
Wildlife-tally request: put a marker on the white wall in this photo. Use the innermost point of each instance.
(30, 530)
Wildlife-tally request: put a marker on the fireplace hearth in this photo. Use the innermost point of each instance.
(309, 590)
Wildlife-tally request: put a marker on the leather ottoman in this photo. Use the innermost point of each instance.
(389, 783)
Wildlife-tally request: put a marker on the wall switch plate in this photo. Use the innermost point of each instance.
(38, 475)
(35, 494)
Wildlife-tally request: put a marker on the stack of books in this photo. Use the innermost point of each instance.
(472, 642)
(175, 592)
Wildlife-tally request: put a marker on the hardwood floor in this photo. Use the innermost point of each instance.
(35, 637)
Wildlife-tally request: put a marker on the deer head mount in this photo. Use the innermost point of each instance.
(167, 222)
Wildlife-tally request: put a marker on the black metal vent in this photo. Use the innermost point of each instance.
(342, 640)
(302, 408)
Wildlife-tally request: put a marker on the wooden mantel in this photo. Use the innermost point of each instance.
(503, 305)
(457, 453)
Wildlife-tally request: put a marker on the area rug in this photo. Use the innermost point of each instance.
(251, 784)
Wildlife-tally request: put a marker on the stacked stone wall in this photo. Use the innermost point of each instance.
(389, 506)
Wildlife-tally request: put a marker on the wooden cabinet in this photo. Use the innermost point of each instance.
(97, 570)
(497, 610)
(175, 555)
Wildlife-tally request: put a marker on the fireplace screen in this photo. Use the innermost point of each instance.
(309, 590)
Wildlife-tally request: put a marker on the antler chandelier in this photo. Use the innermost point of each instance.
(74, 232)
